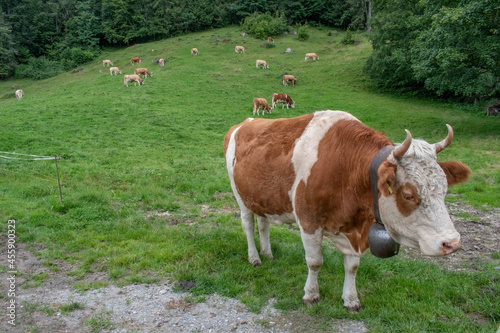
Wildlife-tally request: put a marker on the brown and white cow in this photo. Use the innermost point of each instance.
(259, 103)
(19, 94)
(194, 51)
(239, 48)
(289, 78)
(282, 98)
(161, 62)
(312, 56)
(115, 71)
(262, 63)
(135, 60)
(143, 71)
(270, 40)
(107, 63)
(132, 78)
(314, 170)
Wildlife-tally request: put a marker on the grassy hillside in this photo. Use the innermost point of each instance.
(146, 193)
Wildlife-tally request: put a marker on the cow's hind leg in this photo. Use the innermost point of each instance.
(314, 259)
(350, 294)
(265, 243)
(248, 225)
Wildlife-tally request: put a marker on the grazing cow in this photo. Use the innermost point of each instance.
(19, 94)
(161, 62)
(270, 40)
(314, 170)
(132, 78)
(114, 70)
(107, 63)
(312, 56)
(194, 51)
(259, 103)
(135, 60)
(282, 98)
(239, 48)
(262, 63)
(289, 78)
(143, 71)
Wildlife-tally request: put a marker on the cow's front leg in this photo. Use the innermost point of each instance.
(265, 243)
(350, 294)
(247, 222)
(314, 259)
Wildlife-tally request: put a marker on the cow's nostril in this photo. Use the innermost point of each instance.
(450, 247)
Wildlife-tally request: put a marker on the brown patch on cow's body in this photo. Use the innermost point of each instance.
(264, 173)
(337, 196)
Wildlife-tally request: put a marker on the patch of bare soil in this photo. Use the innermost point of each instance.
(46, 300)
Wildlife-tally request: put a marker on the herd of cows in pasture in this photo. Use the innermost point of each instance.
(258, 102)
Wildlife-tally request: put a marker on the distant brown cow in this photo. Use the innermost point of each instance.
(287, 78)
(282, 98)
(143, 71)
(132, 78)
(161, 62)
(239, 48)
(312, 56)
(135, 60)
(107, 63)
(115, 71)
(194, 51)
(259, 103)
(262, 63)
(270, 40)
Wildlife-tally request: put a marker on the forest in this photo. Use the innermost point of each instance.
(445, 48)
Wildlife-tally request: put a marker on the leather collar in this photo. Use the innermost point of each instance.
(377, 160)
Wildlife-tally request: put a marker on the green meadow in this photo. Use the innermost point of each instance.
(146, 195)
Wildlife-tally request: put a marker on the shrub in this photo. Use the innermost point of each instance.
(270, 45)
(303, 33)
(348, 38)
(73, 57)
(38, 68)
(264, 25)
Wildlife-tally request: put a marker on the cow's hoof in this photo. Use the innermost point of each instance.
(255, 262)
(309, 301)
(353, 307)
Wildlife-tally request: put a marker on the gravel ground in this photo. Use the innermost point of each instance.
(55, 306)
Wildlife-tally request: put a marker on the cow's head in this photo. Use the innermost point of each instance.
(413, 186)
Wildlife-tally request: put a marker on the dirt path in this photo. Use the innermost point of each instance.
(55, 306)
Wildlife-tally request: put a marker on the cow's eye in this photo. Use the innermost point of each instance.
(408, 197)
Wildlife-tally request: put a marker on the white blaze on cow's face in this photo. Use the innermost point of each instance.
(412, 205)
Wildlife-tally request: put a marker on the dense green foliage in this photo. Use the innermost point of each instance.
(263, 25)
(147, 197)
(448, 48)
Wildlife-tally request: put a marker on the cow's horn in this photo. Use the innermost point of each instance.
(401, 149)
(446, 142)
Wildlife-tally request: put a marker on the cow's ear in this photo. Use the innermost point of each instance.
(386, 178)
(456, 172)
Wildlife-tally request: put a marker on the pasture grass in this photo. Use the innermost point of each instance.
(146, 194)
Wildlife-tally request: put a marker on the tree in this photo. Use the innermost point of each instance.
(447, 48)
(459, 53)
(83, 29)
(7, 50)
